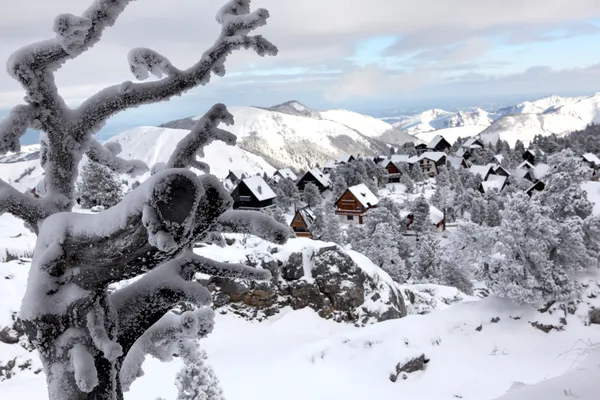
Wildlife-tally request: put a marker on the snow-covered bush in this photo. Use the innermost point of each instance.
(98, 187)
(196, 380)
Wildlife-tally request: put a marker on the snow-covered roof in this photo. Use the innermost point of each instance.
(400, 158)
(525, 165)
(520, 173)
(540, 170)
(482, 170)
(497, 167)
(435, 215)
(499, 158)
(472, 143)
(456, 162)
(432, 155)
(362, 193)
(330, 165)
(259, 188)
(494, 182)
(591, 158)
(460, 152)
(435, 141)
(237, 173)
(287, 173)
(321, 177)
(344, 158)
(308, 216)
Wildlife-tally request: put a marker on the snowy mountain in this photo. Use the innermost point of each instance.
(292, 135)
(152, 145)
(549, 115)
(552, 115)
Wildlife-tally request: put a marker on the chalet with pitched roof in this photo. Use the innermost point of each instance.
(593, 162)
(457, 162)
(316, 177)
(473, 144)
(436, 217)
(494, 182)
(431, 161)
(354, 204)
(537, 186)
(303, 222)
(529, 156)
(484, 171)
(285, 173)
(500, 170)
(345, 159)
(438, 143)
(421, 148)
(235, 176)
(252, 194)
(393, 171)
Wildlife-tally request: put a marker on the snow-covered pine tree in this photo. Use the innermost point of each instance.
(92, 342)
(420, 211)
(287, 193)
(417, 174)
(535, 257)
(196, 380)
(426, 261)
(492, 209)
(339, 186)
(98, 186)
(311, 195)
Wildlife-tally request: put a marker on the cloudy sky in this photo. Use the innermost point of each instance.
(359, 54)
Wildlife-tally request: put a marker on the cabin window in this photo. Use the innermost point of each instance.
(350, 217)
(245, 198)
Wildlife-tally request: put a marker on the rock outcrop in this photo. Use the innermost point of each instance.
(327, 279)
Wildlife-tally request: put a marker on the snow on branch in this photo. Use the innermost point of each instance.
(107, 155)
(237, 22)
(13, 126)
(21, 205)
(192, 264)
(202, 134)
(254, 223)
(163, 339)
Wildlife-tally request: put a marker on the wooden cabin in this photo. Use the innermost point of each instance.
(438, 143)
(345, 159)
(252, 194)
(529, 156)
(484, 171)
(421, 148)
(303, 222)
(431, 161)
(537, 186)
(285, 173)
(235, 176)
(316, 177)
(354, 204)
(457, 162)
(393, 172)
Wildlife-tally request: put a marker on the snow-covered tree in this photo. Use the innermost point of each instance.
(91, 342)
(98, 186)
(407, 181)
(420, 211)
(339, 186)
(535, 257)
(287, 194)
(311, 195)
(196, 380)
(417, 174)
(427, 261)
(492, 209)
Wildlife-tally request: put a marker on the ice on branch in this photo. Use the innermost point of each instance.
(86, 375)
(163, 338)
(254, 223)
(71, 31)
(107, 155)
(13, 127)
(144, 61)
(202, 134)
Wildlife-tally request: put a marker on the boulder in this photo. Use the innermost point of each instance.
(293, 269)
(595, 316)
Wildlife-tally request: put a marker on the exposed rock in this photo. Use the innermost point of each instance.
(410, 366)
(336, 289)
(545, 327)
(495, 320)
(9, 336)
(595, 316)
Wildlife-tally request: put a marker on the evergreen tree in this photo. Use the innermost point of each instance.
(451, 274)
(98, 186)
(492, 209)
(311, 195)
(417, 174)
(427, 262)
(339, 186)
(420, 211)
(287, 194)
(197, 380)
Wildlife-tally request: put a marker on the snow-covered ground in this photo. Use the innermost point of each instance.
(297, 355)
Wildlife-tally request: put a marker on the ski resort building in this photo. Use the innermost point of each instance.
(252, 194)
(354, 204)
(303, 222)
(316, 177)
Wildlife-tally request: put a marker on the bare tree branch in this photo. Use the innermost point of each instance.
(13, 126)
(236, 22)
(107, 155)
(202, 134)
(254, 223)
(21, 205)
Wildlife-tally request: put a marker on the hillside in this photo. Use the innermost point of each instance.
(292, 136)
(152, 145)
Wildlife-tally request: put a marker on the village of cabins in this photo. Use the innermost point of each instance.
(253, 192)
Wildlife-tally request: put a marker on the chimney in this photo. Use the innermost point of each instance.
(259, 188)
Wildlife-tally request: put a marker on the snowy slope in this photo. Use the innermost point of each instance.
(435, 119)
(539, 106)
(152, 145)
(560, 117)
(451, 134)
(294, 137)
